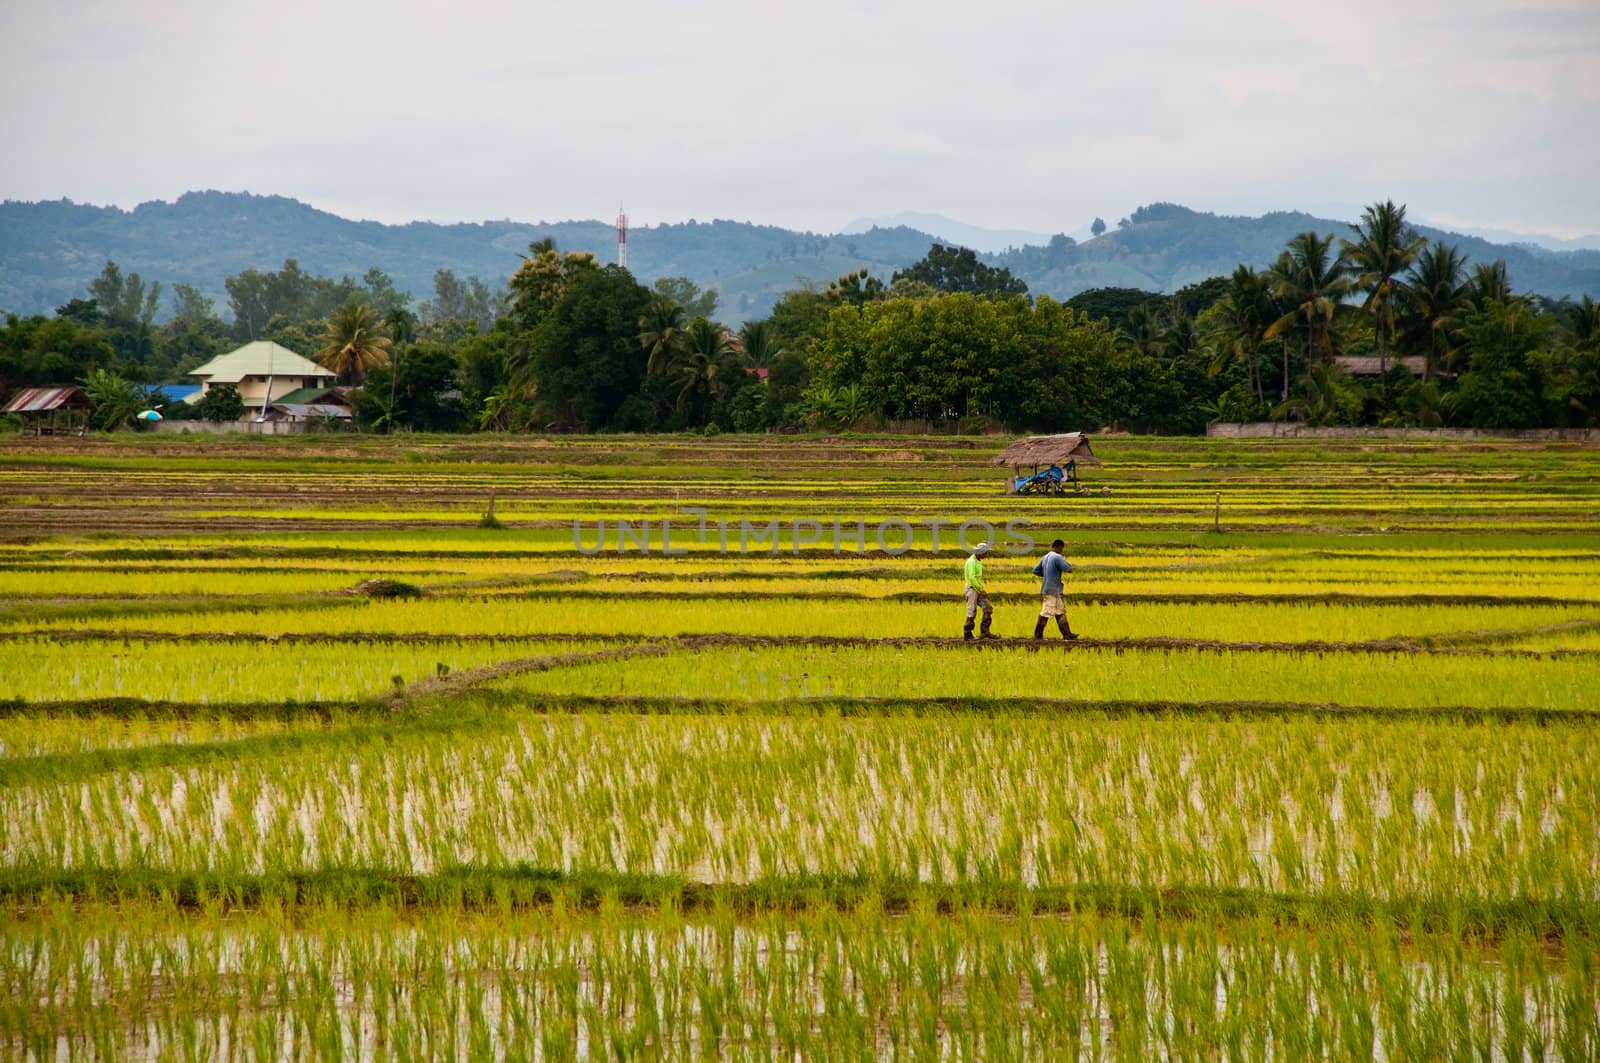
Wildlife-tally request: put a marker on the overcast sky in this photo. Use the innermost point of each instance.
(813, 112)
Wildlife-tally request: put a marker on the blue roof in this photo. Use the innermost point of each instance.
(181, 392)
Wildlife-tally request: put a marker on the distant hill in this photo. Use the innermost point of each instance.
(50, 251)
(1167, 246)
(953, 232)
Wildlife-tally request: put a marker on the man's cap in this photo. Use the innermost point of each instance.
(981, 549)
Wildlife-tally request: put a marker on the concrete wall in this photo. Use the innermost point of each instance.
(1286, 430)
(256, 428)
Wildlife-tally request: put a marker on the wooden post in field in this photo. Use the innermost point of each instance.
(1216, 516)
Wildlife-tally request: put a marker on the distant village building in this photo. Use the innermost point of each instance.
(264, 372)
(1372, 365)
(51, 411)
(322, 405)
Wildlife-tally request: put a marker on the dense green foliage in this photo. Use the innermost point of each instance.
(571, 343)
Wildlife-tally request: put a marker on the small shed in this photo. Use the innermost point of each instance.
(1046, 464)
(309, 412)
(52, 411)
(1363, 365)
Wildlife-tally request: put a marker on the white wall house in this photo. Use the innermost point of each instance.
(264, 372)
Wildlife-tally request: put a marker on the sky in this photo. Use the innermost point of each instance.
(1037, 116)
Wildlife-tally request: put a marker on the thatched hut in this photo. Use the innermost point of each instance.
(1027, 457)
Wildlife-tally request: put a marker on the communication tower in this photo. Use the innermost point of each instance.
(622, 237)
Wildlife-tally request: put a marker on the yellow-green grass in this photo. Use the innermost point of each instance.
(1358, 807)
(624, 613)
(41, 670)
(24, 735)
(816, 984)
(775, 674)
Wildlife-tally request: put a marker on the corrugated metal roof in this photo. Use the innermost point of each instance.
(182, 392)
(309, 410)
(261, 358)
(43, 400)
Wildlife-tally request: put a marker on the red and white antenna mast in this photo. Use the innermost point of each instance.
(622, 237)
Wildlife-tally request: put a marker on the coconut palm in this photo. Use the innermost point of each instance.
(1309, 280)
(1436, 302)
(1179, 340)
(661, 332)
(1140, 332)
(1377, 260)
(1583, 325)
(402, 324)
(1490, 282)
(706, 363)
(1315, 400)
(354, 342)
(760, 343)
(1244, 312)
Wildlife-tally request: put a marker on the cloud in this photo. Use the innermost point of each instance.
(1019, 114)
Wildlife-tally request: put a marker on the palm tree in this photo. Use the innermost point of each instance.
(402, 325)
(1386, 247)
(1316, 402)
(354, 342)
(1245, 310)
(1490, 282)
(706, 363)
(1140, 332)
(1179, 340)
(760, 343)
(1310, 282)
(661, 332)
(1583, 325)
(1437, 301)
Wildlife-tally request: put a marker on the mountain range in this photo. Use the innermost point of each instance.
(50, 251)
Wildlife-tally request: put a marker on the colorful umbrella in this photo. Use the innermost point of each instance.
(150, 415)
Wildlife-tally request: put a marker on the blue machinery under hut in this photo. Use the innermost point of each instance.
(1053, 461)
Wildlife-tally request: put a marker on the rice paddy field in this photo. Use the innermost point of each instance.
(301, 758)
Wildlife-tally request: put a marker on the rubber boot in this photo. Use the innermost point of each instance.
(1038, 629)
(1066, 629)
(966, 632)
(983, 631)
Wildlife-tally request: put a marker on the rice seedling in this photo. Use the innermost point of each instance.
(646, 806)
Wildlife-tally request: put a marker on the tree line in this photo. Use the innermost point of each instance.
(569, 344)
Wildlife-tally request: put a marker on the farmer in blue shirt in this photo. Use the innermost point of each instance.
(1051, 568)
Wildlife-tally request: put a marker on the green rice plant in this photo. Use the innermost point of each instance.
(558, 614)
(1356, 807)
(815, 984)
(778, 673)
(216, 672)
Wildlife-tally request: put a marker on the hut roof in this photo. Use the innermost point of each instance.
(1049, 450)
(43, 400)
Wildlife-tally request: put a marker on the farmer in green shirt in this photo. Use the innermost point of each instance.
(977, 597)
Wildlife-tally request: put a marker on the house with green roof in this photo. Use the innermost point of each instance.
(264, 373)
